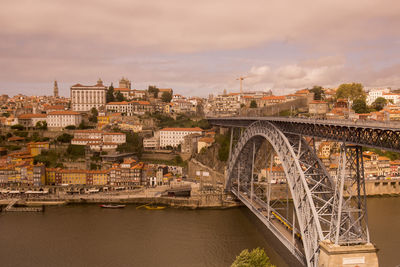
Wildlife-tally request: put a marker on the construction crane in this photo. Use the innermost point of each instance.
(241, 78)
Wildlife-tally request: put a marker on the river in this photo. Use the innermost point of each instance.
(86, 235)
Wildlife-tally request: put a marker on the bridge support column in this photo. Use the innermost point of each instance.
(332, 255)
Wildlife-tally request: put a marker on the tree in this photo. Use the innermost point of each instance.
(153, 90)
(379, 103)
(76, 150)
(351, 90)
(360, 106)
(166, 97)
(70, 127)
(6, 114)
(95, 113)
(65, 138)
(318, 92)
(255, 258)
(119, 97)
(41, 125)
(18, 127)
(253, 104)
(110, 94)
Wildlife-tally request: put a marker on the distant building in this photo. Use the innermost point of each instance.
(318, 107)
(55, 89)
(63, 118)
(86, 97)
(30, 120)
(175, 136)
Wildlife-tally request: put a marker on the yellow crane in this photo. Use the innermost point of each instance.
(241, 78)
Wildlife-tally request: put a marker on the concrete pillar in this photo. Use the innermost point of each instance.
(332, 255)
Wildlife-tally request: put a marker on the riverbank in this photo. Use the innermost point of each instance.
(205, 201)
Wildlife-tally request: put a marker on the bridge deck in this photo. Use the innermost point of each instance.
(381, 135)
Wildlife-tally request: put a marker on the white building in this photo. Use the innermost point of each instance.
(174, 136)
(85, 97)
(118, 138)
(373, 94)
(61, 119)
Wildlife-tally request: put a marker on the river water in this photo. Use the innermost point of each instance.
(86, 235)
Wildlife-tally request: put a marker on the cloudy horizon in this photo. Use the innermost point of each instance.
(198, 48)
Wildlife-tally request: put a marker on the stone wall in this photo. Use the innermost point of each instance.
(198, 171)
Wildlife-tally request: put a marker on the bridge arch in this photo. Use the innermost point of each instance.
(310, 185)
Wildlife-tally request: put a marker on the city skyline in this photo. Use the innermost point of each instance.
(198, 48)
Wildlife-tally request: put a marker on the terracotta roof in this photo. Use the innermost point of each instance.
(31, 116)
(206, 140)
(318, 102)
(141, 102)
(196, 129)
(122, 89)
(64, 112)
(113, 134)
(118, 103)
(58, 107)
(272, 97)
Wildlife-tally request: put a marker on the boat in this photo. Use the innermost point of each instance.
(154, 207)
(112, 206)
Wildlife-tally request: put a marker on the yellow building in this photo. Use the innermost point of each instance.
(35, 148)
(51, 176)
(97, 177)
(73, 176)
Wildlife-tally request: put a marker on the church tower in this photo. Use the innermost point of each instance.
(55, 89)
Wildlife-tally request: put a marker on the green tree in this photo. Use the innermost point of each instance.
(379, 103)
(133, 144)
(254, 258)
(166, 97)
(6, 114)
(353, 91)
(70, 127)
(153, 91)
(318, 92)
(95, 113)
(65, 138)
(18, 127)
(360, 106)
(41, 125)
(253, 104)
(76, 150)
(110, 94)
(119, 97)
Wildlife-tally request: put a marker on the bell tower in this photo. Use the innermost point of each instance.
(55, 89)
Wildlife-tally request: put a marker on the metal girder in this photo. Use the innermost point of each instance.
(349, 222)
(372, 134)
(310, 185)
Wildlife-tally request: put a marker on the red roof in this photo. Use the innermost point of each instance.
(64, 112)
(196, 129)
(30, 116)
(272, 97)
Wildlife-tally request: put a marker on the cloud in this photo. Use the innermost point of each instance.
(167, 42)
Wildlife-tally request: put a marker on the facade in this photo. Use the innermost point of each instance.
(373, 94)
(175, 136)
(318, 107)
(224, 105)
(30, 120)
(61, 119)
(86, 97)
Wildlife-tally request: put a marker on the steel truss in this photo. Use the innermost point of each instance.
(371, 134)
(349, 224)
(313, 192)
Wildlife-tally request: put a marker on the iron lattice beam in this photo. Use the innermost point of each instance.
(372, 134)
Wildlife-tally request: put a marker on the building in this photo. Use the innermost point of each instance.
(86, 97)
(204, 142)
(175, 136)
(64, 118)
(55, 89)
(373, 94)
(318, 107)
(35, 148)
(224, 105)
(30, 120)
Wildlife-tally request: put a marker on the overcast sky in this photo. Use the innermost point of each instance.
(198, 47)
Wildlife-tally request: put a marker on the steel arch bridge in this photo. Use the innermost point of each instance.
(320, 210)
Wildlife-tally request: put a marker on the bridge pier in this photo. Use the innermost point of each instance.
(332, 255)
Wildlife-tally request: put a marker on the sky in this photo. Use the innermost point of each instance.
(198, 47)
